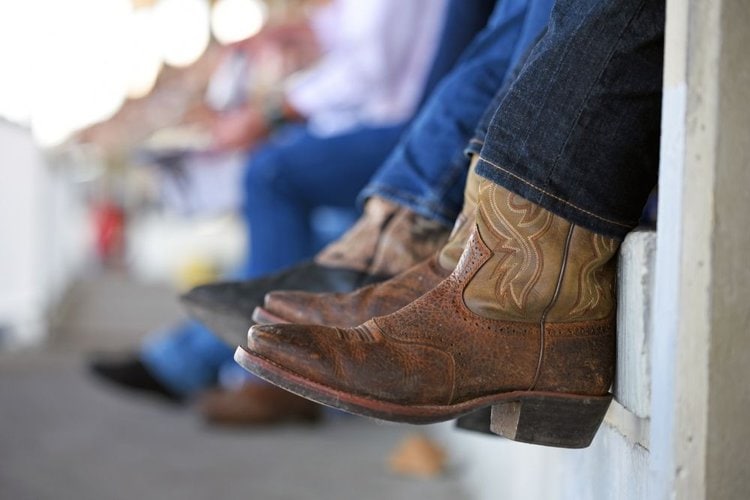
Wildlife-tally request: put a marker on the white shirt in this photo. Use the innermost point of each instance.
(378, 54)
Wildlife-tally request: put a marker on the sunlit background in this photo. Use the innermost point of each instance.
(112, 203)
(90, 89)
(70, 64)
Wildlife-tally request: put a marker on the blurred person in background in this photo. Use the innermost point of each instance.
(314, 144)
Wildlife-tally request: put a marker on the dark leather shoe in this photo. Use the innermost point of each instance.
(227, 308)
(525, 324)
(130, 373)
(256, 404)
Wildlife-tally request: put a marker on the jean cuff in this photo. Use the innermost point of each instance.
(517, 183)
(474, 147)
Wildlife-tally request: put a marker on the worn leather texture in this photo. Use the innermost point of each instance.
(356, 248)
(387, 240)
(438, 350)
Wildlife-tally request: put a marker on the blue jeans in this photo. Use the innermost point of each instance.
(427, 170)
(294, 174)
(578, 131)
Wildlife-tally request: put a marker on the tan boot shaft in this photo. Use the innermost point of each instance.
(541, 267)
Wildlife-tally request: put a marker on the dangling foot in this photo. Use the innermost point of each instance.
(525, 324)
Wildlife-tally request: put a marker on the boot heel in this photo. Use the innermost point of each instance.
(548, 419)
(477, 421)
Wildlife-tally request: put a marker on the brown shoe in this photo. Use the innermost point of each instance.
(354, 308)
(256, 404)
(387, 239)
(526, 324)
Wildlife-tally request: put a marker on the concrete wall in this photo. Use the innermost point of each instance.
(700, 399)
(728, 435)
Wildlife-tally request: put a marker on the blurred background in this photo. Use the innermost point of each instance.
(107, 213)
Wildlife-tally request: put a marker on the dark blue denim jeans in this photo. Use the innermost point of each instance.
(294, 174)
(427, 170)
(578, 130)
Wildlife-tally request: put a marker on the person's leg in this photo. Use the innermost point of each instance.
(383, 298)
(185, 358)
(296, 173)
(578, 132)
(427, 170)
(229, 305)
(352, 309)
(285, 181)
(176, 363)
(310, 172)
(463, 21)
(526, 322)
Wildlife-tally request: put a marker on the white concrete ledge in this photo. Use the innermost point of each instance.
(632, 387)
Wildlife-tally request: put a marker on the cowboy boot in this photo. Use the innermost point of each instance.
(525, 324)
(386, 240)
(354, 308)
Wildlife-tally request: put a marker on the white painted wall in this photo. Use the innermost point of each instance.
(42, 237)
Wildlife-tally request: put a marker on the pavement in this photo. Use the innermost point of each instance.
(64, 435)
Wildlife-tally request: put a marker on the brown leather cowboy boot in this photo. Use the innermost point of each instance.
(408, 239)
(525, 324)
(354, 308)
(386, 240)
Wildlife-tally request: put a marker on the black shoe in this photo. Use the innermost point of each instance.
(130, 373)
(226, 308)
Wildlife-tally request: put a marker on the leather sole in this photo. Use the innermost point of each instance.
(544, 418)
